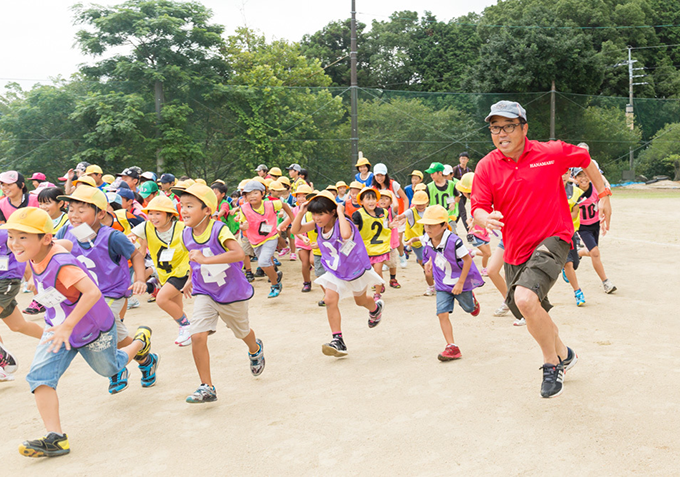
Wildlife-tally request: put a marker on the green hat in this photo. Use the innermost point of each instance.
(435, 167)
(148, 188)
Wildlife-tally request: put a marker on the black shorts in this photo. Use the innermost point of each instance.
(9, 289)
(538, 274)
(573, 256)
(178, 282)
(590, 236)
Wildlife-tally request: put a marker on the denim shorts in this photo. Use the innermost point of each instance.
(101, 355)
(445, 301)
(477, 242)
(419, 253)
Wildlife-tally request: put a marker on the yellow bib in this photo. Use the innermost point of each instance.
(63, 220)
(175, 266)
(417, 230)
(312, 235)
(121, 215)
(375, 233)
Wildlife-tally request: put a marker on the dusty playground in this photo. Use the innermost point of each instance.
(391, 406)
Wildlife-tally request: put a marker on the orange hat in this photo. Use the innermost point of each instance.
(203, 193)
(161, 203)
(367, 189)
(89, 195)
(30, 220)
(435, 214)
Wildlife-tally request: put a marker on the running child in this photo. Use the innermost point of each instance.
(342, 192)
(216, 281)
(162, 236)
(386, 203)
(375, 231)
(344, 256)
(78, 322)
(303, 244)
(574, 193)
(352, 204)
(225, 212)
(455, 275)
(415, 230)
(48, 200)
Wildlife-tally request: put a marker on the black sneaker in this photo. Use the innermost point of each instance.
(572, 359)
(279, 276)
(322, 303)
(7, 360)
(335, 348)
(249, 276)
(553, 375)
(259, 273)
(375, 316)
(52, 445)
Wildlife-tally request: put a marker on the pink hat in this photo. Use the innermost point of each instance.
(9, 177)
(41, 186)
(37, 176)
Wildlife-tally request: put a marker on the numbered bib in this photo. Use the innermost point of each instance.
(49, 298)
(4, 263)
(213, 273)
(440, 261)
(167, 254)
(265, 228)
(83, 233)
(347, 247)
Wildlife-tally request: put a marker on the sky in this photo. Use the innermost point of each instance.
(38, 36)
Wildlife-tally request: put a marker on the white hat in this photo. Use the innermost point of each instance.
(448, 169)
(380, 168)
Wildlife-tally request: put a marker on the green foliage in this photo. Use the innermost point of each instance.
(661, 157)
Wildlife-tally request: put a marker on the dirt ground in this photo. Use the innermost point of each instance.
(391, 406)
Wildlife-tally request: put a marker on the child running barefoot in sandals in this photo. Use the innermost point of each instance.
(349, 271)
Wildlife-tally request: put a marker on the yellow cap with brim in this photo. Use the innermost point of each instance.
(367, 189)
(363, 162)
(276, 185)
(332, 187)
(260, 180)
(85, 180)
(465, 182)
(417, 173)
(108, 178)
(268, 182)
(93, 169)
(303, 189)
(182, 185)
(435, 214)
(220, 181)
(420, 187)
(324, 193)
(203, 193)
(161, 203)
(201, 181)
(242, 184)
(284, 180)
(420, 198)
(340, 184)
(356, 185)
(275, 171)
(387, 193)
(88, 195)
(30, 220)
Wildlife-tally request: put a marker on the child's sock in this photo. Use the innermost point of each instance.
(337, 336)
(393, 277)
(183, 321)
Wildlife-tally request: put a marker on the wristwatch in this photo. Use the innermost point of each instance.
(607, 191)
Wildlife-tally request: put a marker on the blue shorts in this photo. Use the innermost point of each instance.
(501, 245)
(445, 301)
(101, 355)
(419, 253)
(477, 242)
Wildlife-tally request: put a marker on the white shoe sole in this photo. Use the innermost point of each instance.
(184, 343)
(330, 351)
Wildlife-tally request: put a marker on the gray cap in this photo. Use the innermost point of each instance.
(253, 185)
(295, 167)
(261, 167)
(507, 109)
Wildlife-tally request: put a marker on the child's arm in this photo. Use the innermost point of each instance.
(467, 263)
(67, 244)
(289, 212)
(345, 228)
(27, 278)
(235, 254)
(139, 285)
(61, 333)
(297, 227)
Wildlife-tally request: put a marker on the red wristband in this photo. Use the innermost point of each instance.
(607, 191)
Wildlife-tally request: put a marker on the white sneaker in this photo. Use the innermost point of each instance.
(520, 322)
(608, 286)
(184, 337)
(385, 268)
(502, 310)
(430, 291)
(402, 261)
(5, 376)
(133, 303)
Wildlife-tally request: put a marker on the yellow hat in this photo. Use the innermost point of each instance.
(242, 184)
(356, 185)
(30, 220)
(85, 180)
(465, 182)
(182, 185)
(367, 189)
(340, 184)
(303, 189)
(420, 186)
(108, 178)
(161, 203)
(323, 193)
(203, 193)
(387, 193)
(260, 180)
(201, 181)
(435, 214)
(94, 169)
(417, 173)
(332, 187)
(363, 162)
(89, 195)
(268, 182)
(220, 181)
(284, 180)
(275, 171)
(276, 185)
(420, 198)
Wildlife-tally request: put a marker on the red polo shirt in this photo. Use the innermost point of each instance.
(529, 193)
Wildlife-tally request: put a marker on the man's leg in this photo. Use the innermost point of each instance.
(540, 325)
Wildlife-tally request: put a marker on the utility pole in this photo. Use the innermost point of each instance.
(630, 110)
(354, 87)
(552, 112)
(159, 100)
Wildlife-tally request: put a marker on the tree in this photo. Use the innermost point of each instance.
(662, 156)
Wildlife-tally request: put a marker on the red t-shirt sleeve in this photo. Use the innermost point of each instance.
(573, 156)
(481, 195)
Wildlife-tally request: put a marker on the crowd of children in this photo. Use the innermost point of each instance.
(99, 240)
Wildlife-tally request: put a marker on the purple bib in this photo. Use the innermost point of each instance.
(113, 279)
(223, 286)
(336, 256)
(447, 267)
(98, 319)
(15, 270)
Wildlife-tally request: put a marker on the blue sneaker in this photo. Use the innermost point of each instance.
(275, 291)
(257, 360)
(564, 276)
(580, 299)
(149, 371)
(119, 382)
(276, 262)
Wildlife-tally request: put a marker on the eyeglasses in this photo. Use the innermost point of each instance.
(508, 128)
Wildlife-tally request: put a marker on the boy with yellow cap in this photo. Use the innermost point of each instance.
(351, 203)
(341, 187)
(105, 252)
(415, 230)
(220, 288)
(162, 236)
(416, 178)
(455, 276)
(78, 322)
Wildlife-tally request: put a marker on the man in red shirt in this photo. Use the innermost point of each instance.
(518, 189)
